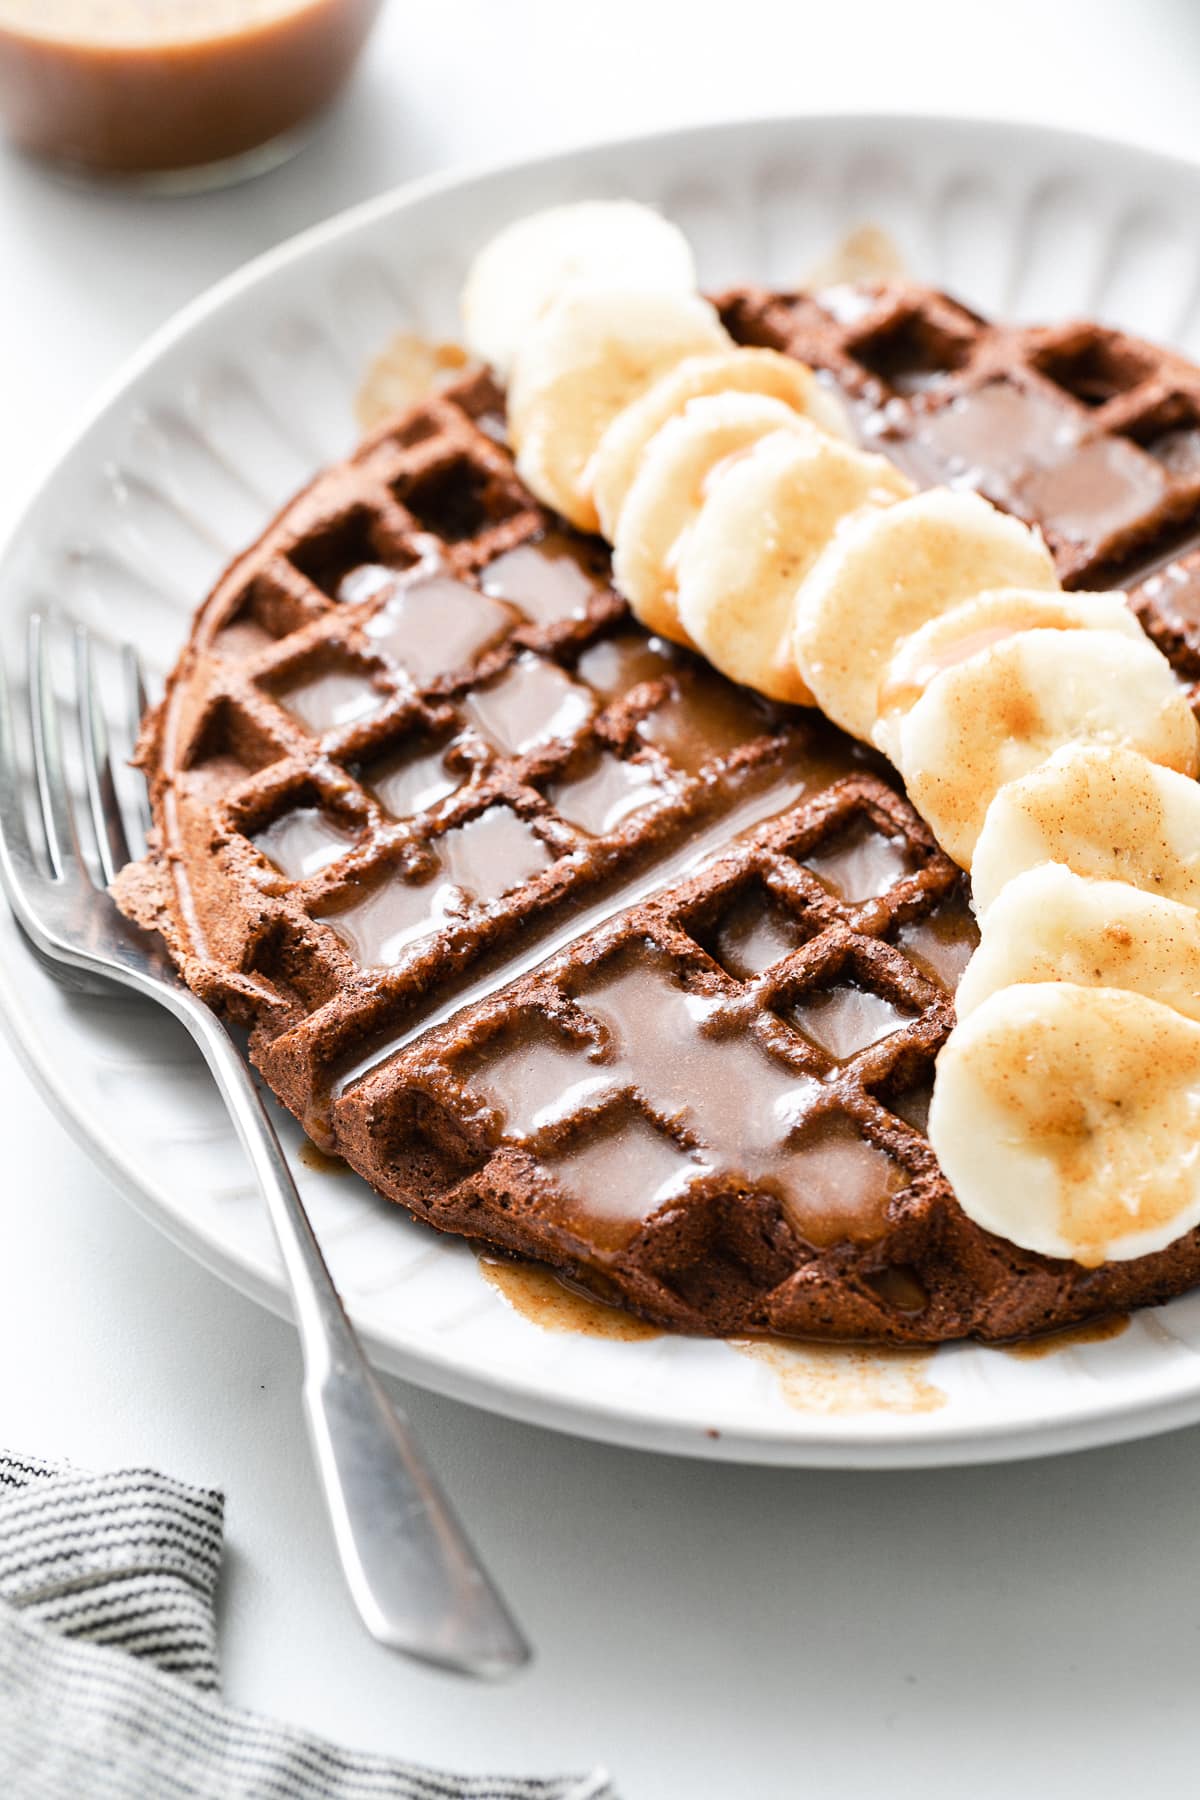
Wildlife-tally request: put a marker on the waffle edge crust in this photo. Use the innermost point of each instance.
(576, 950)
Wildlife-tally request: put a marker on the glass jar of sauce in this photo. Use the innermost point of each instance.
(188, 91)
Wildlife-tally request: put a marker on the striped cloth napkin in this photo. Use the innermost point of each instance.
(108, 1661)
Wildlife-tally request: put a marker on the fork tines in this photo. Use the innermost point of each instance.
(67, 818)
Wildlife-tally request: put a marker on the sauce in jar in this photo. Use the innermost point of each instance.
(151, 87)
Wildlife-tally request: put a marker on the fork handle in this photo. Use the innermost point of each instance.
(414, 1577)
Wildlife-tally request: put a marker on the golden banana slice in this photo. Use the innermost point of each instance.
(1050, 924)
(971, 626)
(1109, 814)
(1067, 1120)
(611, 472)
(764, 522)
(884, 575)
(996, 716)
(678, 468)
(528, 264)
(592, 351)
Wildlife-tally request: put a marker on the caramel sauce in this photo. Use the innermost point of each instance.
(729, 1092)
(704, 717)
(844, 1020)
(1178, 452)
(606, 794)
(845, 1181)
(1175, 591)
(912, 1105)
(395, 916)
(548, 580)
(899, 695)
(700, 716)
(754, 934)
(532, 1076)
(148, 86)
(321, 1162)
(614, 665)
(369, 581)
(302, 841)
(860, 864)
(413, 781)
(542, 1298)
(1103, 486)
(620, 1175)
(990, 438)
(1071, 1337)
(756, 803)
(900, 1288)
(334, 698)
(868, 253)
(847, 1378)
(491, 855)
(531, 703)
(476, 862)
(943, 942)
(813, 1378)
(432, 625)
(1021, 448)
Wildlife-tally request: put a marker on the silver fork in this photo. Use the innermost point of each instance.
(418, 1584)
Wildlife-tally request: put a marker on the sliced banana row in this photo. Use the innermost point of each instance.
(1066, 1103)
(1050, 743)
(746, 525)
(1040, 734)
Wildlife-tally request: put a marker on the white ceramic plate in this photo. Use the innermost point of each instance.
(247, 393)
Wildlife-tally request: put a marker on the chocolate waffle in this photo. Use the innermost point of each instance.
(572, 947)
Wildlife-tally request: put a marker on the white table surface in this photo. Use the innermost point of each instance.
(706, 1631)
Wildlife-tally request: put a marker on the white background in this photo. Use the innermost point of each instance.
(708, 1632)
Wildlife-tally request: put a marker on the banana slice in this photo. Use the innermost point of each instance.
(1050, 924)
(1067, 1119)
(1109, 814)
(611, 472)
(885, 574)
(591, 352)
(974, 624)
(678, 469)
(764, 521)
(996, 716)
(527, 265)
